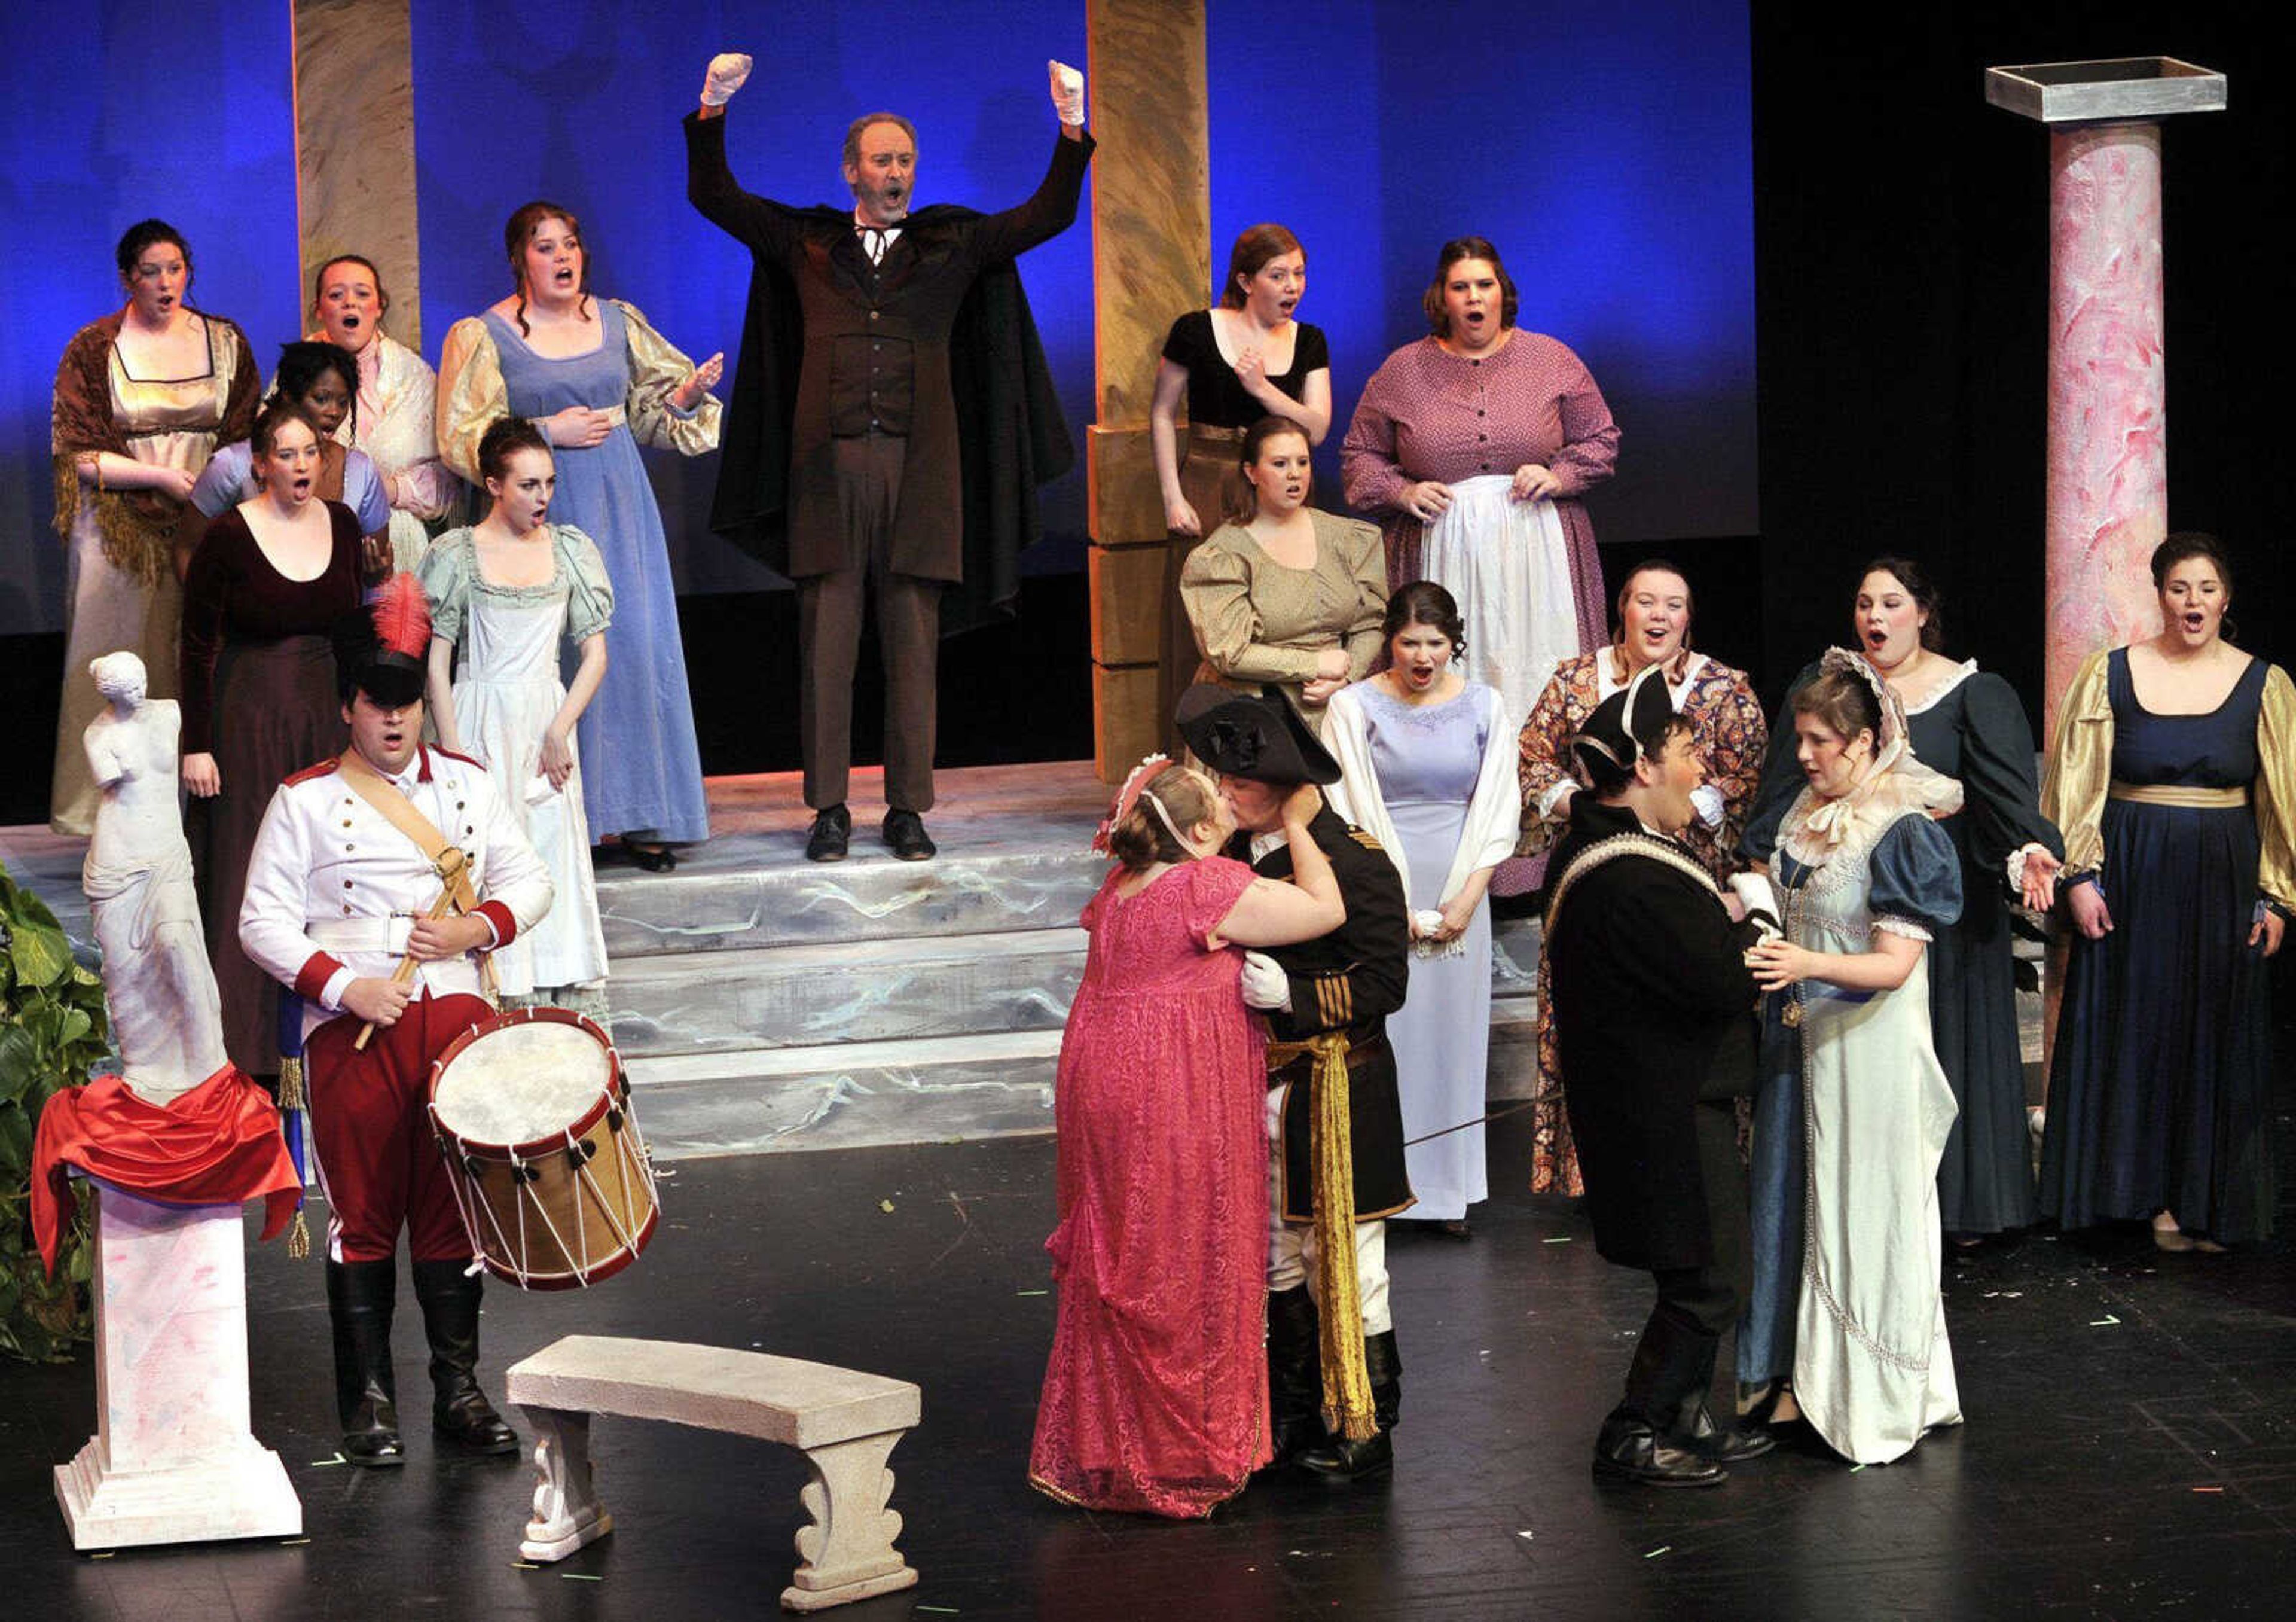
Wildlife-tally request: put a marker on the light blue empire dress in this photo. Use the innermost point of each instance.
(1427, 758)
(641, 767)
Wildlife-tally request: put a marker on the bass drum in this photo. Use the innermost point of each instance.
(547, 1164)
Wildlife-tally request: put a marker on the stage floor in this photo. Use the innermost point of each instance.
(2130, 1449)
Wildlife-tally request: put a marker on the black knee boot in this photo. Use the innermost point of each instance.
(1342, 1460)
(360, 1298)
(1295, 1395)
(459, 1411)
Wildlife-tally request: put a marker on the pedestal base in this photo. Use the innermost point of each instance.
(173, 1459)
(805, 1600)
(240, 1494)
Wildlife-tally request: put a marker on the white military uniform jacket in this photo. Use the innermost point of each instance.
(333, 889)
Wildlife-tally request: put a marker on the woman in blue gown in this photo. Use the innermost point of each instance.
(2171, 776)
(599, 380)
(1968, 725)
(1846, 1297)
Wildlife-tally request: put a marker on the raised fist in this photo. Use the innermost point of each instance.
(1068, 92)
(728, 70)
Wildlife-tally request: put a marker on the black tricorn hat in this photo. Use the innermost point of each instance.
(1624, 726)
(1257, 736)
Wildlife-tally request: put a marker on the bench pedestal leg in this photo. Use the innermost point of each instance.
(848, 1552)
(567, 1513)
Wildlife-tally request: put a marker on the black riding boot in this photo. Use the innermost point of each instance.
(459, 1411)
(360, 1298)
(1342, 1460)
(1295, 1395)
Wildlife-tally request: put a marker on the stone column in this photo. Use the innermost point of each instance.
(2108, 441)
(1151, 260)
(172, 1459)
(354, 148)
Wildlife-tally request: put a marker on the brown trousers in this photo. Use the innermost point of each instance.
(828, 639)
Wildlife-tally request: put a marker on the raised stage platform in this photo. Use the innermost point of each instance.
(766, 1002)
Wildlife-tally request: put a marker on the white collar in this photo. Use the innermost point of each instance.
(1607, 682)
(874, 239)
(1261, 844)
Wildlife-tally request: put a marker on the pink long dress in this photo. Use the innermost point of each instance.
(1155, 1396)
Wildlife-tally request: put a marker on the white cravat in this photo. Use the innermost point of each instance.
(875, 239)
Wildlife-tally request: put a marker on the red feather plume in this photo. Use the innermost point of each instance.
(402, 617)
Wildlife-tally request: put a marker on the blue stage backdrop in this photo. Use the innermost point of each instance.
(115, 112)
(1607, 153)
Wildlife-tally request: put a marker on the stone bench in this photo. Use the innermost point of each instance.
(844, 1423)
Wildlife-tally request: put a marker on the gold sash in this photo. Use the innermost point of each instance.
(2174, 794)
(1348, 1408)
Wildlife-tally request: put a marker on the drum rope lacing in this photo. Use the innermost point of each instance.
(631, 1152)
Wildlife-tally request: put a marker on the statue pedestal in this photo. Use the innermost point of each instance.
(172, 1459)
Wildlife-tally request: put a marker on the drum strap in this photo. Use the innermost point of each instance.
(454, 871)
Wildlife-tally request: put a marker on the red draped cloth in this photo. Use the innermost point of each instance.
(1155, 1396)
(219, 1144)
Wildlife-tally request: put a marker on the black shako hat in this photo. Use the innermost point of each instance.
(1257, 736)
(382, 648)
(1625, 726)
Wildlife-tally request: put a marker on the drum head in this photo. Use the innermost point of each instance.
(513, 1082)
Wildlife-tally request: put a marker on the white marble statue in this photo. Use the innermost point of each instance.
(173, 1459)
(166, 1018)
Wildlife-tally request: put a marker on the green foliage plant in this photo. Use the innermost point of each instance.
(53, 1031)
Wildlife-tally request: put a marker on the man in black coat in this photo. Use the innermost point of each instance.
(891, 415)
(1328, 1002)
(1653, 1016)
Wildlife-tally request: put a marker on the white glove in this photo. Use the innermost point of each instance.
(1759, 898)
(1706, 800)
(1265, 985)
(1068, 92)
(728, 70)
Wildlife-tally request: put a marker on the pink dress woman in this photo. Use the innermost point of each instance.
(1156, 1394)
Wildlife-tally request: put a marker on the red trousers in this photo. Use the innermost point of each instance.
(379, 1160)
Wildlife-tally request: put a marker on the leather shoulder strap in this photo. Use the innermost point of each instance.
(380, 792)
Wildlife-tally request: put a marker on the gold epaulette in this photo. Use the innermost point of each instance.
(1368, 840)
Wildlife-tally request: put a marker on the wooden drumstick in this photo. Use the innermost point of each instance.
(407, 964)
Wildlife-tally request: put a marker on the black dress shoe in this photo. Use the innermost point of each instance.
(832, 827)
(652, 858)
(1342, 1460)
(906, 836)
(1629, 1451)
(1698, 1432)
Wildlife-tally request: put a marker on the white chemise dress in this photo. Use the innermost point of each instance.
(507, 688)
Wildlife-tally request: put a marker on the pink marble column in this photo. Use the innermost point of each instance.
(172, 1459)
(2108, 450)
